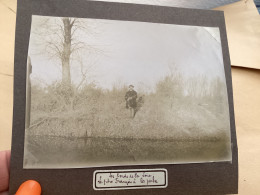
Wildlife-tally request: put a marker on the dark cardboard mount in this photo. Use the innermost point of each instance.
(196, 178)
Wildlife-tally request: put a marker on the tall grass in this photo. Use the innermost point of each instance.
(181, 109)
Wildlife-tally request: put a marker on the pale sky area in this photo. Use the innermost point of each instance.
(137, 53)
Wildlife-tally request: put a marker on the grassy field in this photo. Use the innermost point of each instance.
(167, 112)
(92, 127)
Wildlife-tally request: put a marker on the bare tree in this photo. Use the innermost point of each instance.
(66, 50)
(61, 39)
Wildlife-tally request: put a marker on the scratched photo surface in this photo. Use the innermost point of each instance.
(108, 92)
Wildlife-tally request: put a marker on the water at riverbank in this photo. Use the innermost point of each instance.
(60, 152)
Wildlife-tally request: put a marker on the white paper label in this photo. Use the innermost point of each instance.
(130, 179)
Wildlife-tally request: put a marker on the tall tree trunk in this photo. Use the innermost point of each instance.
(66, 79)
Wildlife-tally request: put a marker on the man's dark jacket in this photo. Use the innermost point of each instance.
(130, 98)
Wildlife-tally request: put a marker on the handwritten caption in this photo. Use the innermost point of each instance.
(124, 179)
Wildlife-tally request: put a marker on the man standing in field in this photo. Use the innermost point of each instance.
(130, 98)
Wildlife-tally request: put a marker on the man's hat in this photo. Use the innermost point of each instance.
(131, 86)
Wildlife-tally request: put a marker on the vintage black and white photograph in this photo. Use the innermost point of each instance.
(110, 93)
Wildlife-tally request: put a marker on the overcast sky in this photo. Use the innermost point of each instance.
(137, 53)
